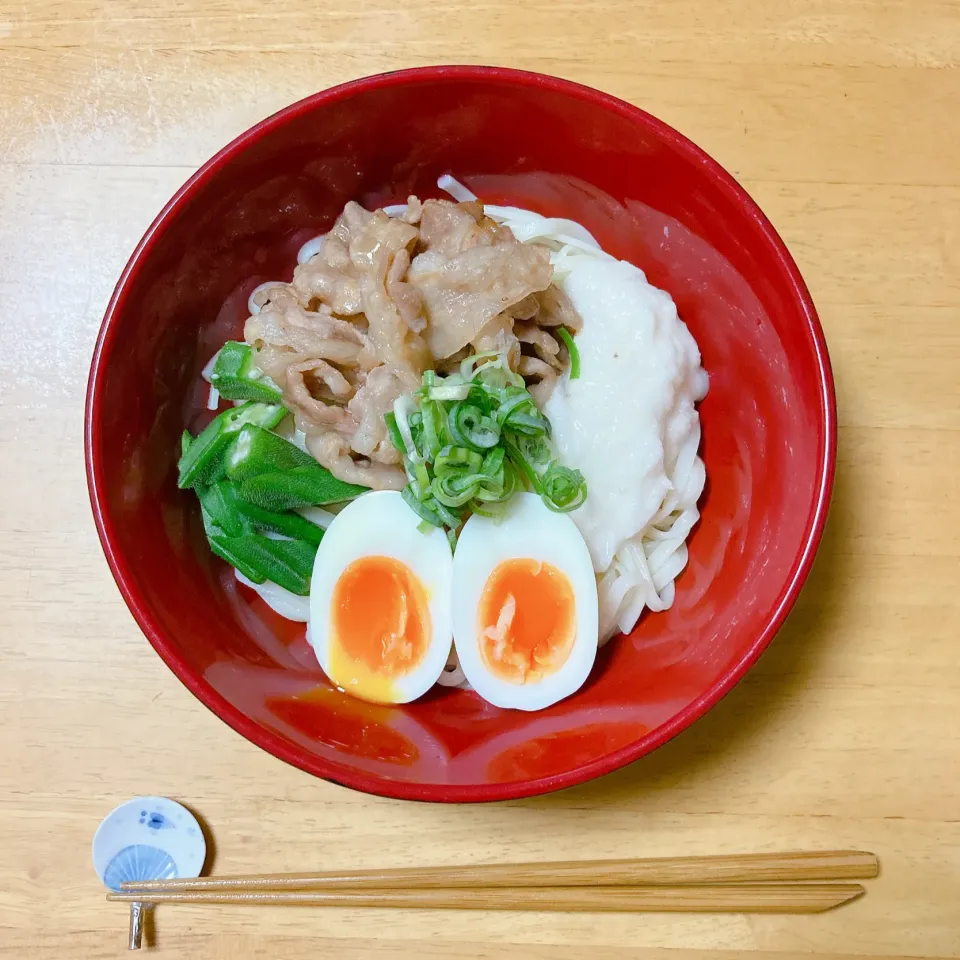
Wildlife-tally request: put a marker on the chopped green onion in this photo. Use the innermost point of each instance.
(433, 430)
(494, 509)
(518, 400)
(469, 441)
(493, 462)
(469, 367)
(452, 490)
(395, 438)
(526, 468)
(403, 407)
(565, 336)
(537, 450)
(489, 489)
(449, 518)
(456, 460)
(420, 508)
(563, 489)
(470, 428)
(457, 391)
(421, 479)
(533, 425)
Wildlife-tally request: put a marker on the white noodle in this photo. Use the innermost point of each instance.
(322, 518)
(213, 394)
(456, 189)
(555, 232)
(395, 210)
(310, 249)
(289, 430)
(284, 602)
(208, 369)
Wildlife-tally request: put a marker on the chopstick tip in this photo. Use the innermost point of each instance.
(856, 891)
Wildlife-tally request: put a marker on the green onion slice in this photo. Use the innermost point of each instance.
(565, 336)
(470, 428)
(564, 489)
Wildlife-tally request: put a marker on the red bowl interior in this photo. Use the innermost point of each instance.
(649, 196)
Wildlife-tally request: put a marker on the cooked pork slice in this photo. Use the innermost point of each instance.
(329, 276)
(450, 228)
(497, 336)
(332, 451)
(544, 378)
(373, 251)
(409, 299)
(557, 310)
(273, 361)
(372, 400)
(413, 212)
(545, 346)
(470, 270)
(302, 394)
(283, 322)
(452, 363)
(283, 333)
(526, 309)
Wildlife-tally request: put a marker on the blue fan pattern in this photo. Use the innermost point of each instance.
(139, 862)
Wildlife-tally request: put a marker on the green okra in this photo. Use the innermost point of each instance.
(220, 503)
(259, 451)
(304, 486)
(287, 563)
(236, 375)
(203, 459)
(288, 524)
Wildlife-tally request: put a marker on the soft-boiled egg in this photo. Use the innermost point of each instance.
(380, 601)
(525, 605)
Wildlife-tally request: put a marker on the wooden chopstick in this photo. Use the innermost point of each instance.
(748, 898)
(669, 871)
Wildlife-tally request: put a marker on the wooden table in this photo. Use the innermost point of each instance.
(841, 118)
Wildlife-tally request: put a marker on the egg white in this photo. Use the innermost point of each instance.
(528, 529)
(381, 524)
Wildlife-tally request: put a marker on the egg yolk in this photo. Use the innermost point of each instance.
(527, 620)
(380, 627)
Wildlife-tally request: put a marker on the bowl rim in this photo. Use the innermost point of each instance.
(374, 783)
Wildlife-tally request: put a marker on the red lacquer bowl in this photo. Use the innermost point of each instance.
(649, 196)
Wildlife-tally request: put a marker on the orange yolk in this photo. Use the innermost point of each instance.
(527, 620)
(380, 627)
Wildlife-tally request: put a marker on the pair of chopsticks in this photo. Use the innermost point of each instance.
(749, 883)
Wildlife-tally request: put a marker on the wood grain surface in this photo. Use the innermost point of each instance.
(841, 118)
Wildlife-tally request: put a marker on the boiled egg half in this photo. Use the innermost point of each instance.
(380, 619)
(524, 605)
